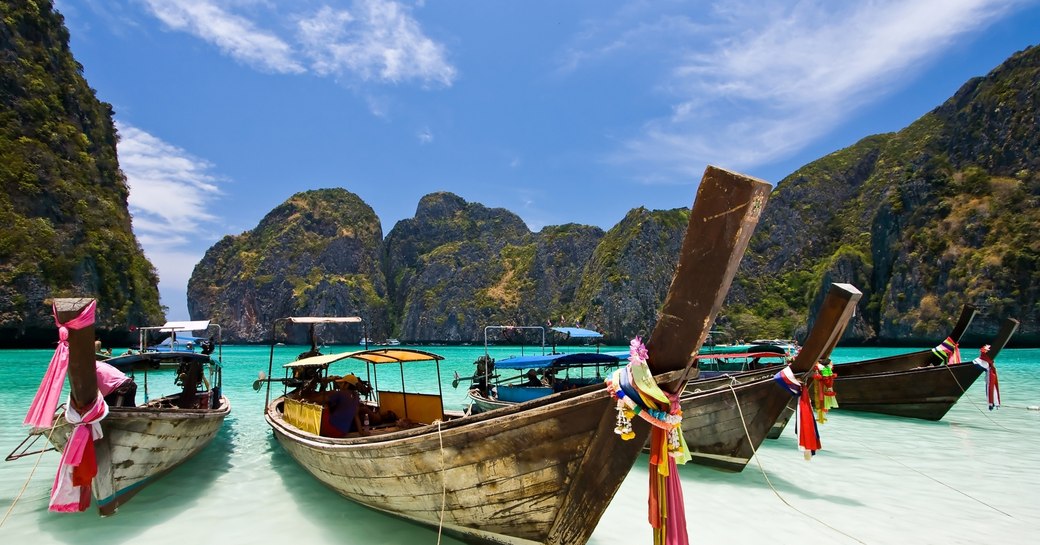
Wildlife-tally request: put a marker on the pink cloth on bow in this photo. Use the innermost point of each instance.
(71, 490)
(41, 412)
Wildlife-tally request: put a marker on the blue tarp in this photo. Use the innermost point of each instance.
(562, 360)
(578, 333)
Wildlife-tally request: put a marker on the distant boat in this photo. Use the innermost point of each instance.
(179, 348)
(365, 341)
(927, 391)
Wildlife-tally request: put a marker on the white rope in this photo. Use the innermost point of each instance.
(933, 478)
(970, 400)
(444, 484)
(26, 485)
(754, 454)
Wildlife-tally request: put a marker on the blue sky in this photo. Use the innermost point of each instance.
(558, 111)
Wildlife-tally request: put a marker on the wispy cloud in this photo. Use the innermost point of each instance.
(171, 193)
(425, 136)
(235, 35)
(375, 40)
(757, 80)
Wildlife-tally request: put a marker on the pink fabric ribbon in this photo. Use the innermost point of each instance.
(71, 490)
(41, 412)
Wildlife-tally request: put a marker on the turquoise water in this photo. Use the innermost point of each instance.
(972, 478)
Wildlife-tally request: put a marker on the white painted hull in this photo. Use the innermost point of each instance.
(143, 443)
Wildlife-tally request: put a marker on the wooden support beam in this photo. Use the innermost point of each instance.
(82, 375)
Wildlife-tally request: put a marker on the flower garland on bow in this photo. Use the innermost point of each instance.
(41, 411)
(823, 383)
(985, 361)
(637, 393)
(805, 424)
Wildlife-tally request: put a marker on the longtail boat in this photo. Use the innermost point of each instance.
(900, 362)
(925, 391)
(139, 443)
(542, 471)
(725, 419)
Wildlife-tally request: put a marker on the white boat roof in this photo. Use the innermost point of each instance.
(325, 319)
(196, 325)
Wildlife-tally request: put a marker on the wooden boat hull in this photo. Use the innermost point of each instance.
(143, 443)
(536, 472)
(723, 425)
(927, 393)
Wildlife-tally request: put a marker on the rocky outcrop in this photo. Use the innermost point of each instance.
(939, 214)
(66, 229)
(317, 254)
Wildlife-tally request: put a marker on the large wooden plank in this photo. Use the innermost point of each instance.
(723, 217)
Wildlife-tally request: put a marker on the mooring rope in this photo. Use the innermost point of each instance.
(444, 484)
(919, 472)
(754, 454)
(28, 479)
(973, 404)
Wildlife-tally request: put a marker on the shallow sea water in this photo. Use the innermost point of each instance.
(973, 477)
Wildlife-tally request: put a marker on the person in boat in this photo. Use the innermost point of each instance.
(485, 365)
(314, 346)
(207, 346)
(118, 389)
(532, 378)
(548, 378)
(344, 408)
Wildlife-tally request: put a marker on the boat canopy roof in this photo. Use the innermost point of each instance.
(578, 333)
(196, 325)
(186, 325)
(325, 319)
(562, 360)
(375, 356)
(737, 355)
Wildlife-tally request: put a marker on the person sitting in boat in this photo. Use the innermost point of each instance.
(532, 378)
(118, 389)
(207, 346)
(548, 378)
(344, 408)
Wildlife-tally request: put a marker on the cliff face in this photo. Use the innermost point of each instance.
(63, 200)
(317, 254)
(628, 277)
(939, 214)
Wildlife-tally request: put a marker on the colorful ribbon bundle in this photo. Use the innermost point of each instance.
(805, 424)
(948, 352)
(823, 383)
(78, 466)
(985, 361)
(637, 393)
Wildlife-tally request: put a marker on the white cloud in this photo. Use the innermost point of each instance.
(425, 136)
(757, 80)
(235, 35)
(377, 40)
(171, 193)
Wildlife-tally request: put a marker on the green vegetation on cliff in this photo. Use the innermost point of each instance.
(63, 199)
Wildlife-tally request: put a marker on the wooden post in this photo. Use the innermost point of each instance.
(837, 309)
(723, 217)
(82, 374)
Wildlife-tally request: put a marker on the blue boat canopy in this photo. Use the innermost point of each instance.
(562, 360)
(578, 333)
